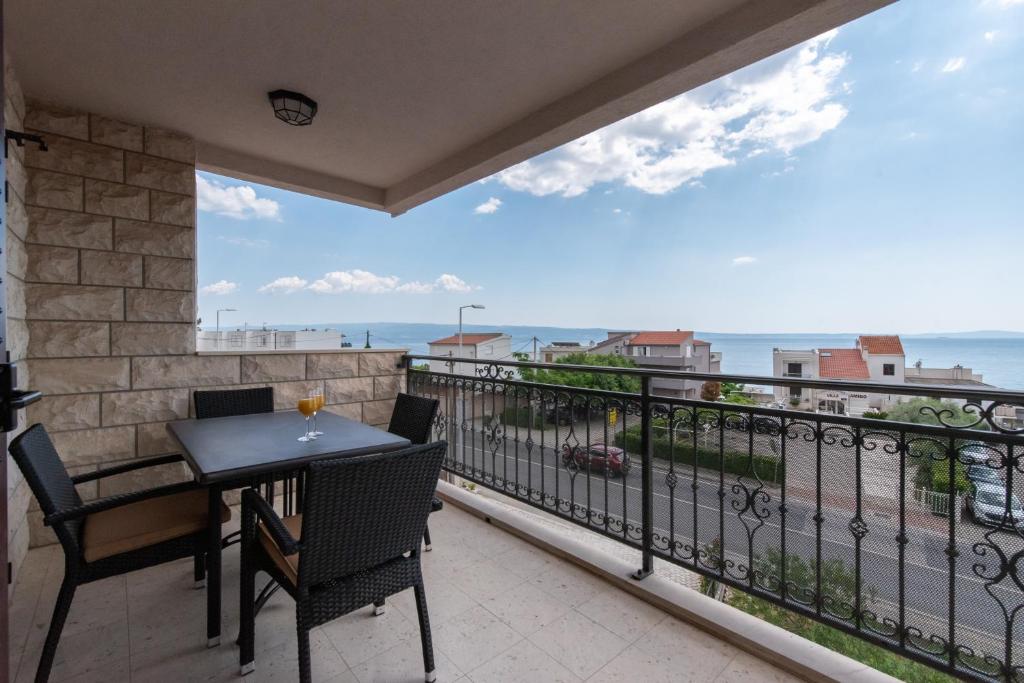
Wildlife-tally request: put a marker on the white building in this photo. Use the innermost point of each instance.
(555, 350)
(493, 346)
(876, 358)
(270, 340)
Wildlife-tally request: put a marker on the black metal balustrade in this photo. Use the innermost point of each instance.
(859, 523)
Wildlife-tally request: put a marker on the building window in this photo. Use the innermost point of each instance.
(547, 357)
(888, 369)
(794, 392)
(794, 369)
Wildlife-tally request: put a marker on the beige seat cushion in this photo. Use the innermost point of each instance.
(145, 523)
(287, 564)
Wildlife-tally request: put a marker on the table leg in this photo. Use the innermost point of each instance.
(213, 569)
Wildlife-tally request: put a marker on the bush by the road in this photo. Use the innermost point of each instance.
(768, 469)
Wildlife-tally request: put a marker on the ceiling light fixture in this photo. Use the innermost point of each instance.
(293, 108)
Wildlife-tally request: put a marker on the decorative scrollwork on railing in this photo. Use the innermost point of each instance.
(494, 371)
(976, 415)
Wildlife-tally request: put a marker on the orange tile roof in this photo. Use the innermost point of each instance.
(469, 338)
(886, 344)
(660, 338)
(842, 364)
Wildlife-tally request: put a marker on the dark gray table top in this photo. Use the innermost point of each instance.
(228, 448)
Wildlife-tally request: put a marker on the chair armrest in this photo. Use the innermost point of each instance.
(282, 537)
(127, 467)
(111, 502)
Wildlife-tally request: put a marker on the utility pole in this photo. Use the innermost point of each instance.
(535, 340)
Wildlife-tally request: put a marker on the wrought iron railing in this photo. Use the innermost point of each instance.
(908, 536)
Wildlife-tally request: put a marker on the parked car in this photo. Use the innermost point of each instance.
(987, 504)
(599, 456)
(983, 474)
(977, 452)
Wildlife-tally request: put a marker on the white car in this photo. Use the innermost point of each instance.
(987, 504)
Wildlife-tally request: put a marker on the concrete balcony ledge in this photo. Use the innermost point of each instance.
(765, 641)
(279, 352)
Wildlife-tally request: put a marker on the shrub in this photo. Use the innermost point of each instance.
(519, 416)
(876, 414)
(768, 469)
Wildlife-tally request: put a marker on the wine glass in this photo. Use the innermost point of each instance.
(317, 395)
(307, 406)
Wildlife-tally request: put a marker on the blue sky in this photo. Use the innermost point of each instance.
(868, 180)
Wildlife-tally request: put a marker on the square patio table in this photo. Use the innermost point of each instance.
(227, 452)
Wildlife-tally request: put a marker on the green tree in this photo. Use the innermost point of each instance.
(930, 457)
(587, 380)
(731, 389)
(922, 411)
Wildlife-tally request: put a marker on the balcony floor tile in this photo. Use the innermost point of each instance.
(500, 609)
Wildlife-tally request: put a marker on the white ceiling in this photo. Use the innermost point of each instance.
(416, 97)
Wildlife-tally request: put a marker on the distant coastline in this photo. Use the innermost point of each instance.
(996, 354)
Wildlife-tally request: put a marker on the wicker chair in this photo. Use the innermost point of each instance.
(226, 403)
(233, 402)
(112, 535)
(356, 542)
(413, 418)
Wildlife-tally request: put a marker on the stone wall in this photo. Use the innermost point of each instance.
(110, 305)
(16, 231)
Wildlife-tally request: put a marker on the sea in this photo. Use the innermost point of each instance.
(998, 356)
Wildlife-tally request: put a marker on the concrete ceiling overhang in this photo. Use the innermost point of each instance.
(416, 98)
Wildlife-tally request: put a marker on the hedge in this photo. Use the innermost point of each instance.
(768, 469)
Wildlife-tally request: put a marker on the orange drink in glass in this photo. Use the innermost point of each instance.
(317, 396)
(307, 406)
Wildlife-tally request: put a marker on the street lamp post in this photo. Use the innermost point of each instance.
(460, 322)
(226, 310)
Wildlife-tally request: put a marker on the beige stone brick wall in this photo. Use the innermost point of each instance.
(109, 306)
(15, 232)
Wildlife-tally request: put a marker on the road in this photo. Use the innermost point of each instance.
(979, 619)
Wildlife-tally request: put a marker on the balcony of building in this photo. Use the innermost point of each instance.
(120, 108)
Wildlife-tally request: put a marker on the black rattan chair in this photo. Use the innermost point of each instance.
(112, 535)
(233, 402)
(356, 542)
(413, 418)
(226, 403)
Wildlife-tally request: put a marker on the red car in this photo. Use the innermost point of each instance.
(599, 456)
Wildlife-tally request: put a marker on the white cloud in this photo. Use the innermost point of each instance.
(744, 260)
(354, 281)
(990, 35)
(234, 201)
(953, 64)
(453, 283)
(245, 242)
(917, 66)
(490, 206)
(219, 288)
(616, 210)
(1006, 3)
(284, 285)
(365, 282)
(778, 105)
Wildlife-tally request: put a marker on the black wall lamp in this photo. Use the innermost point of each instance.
(293, 108)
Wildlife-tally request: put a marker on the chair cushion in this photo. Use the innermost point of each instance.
(145, 523)
(286, 564)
